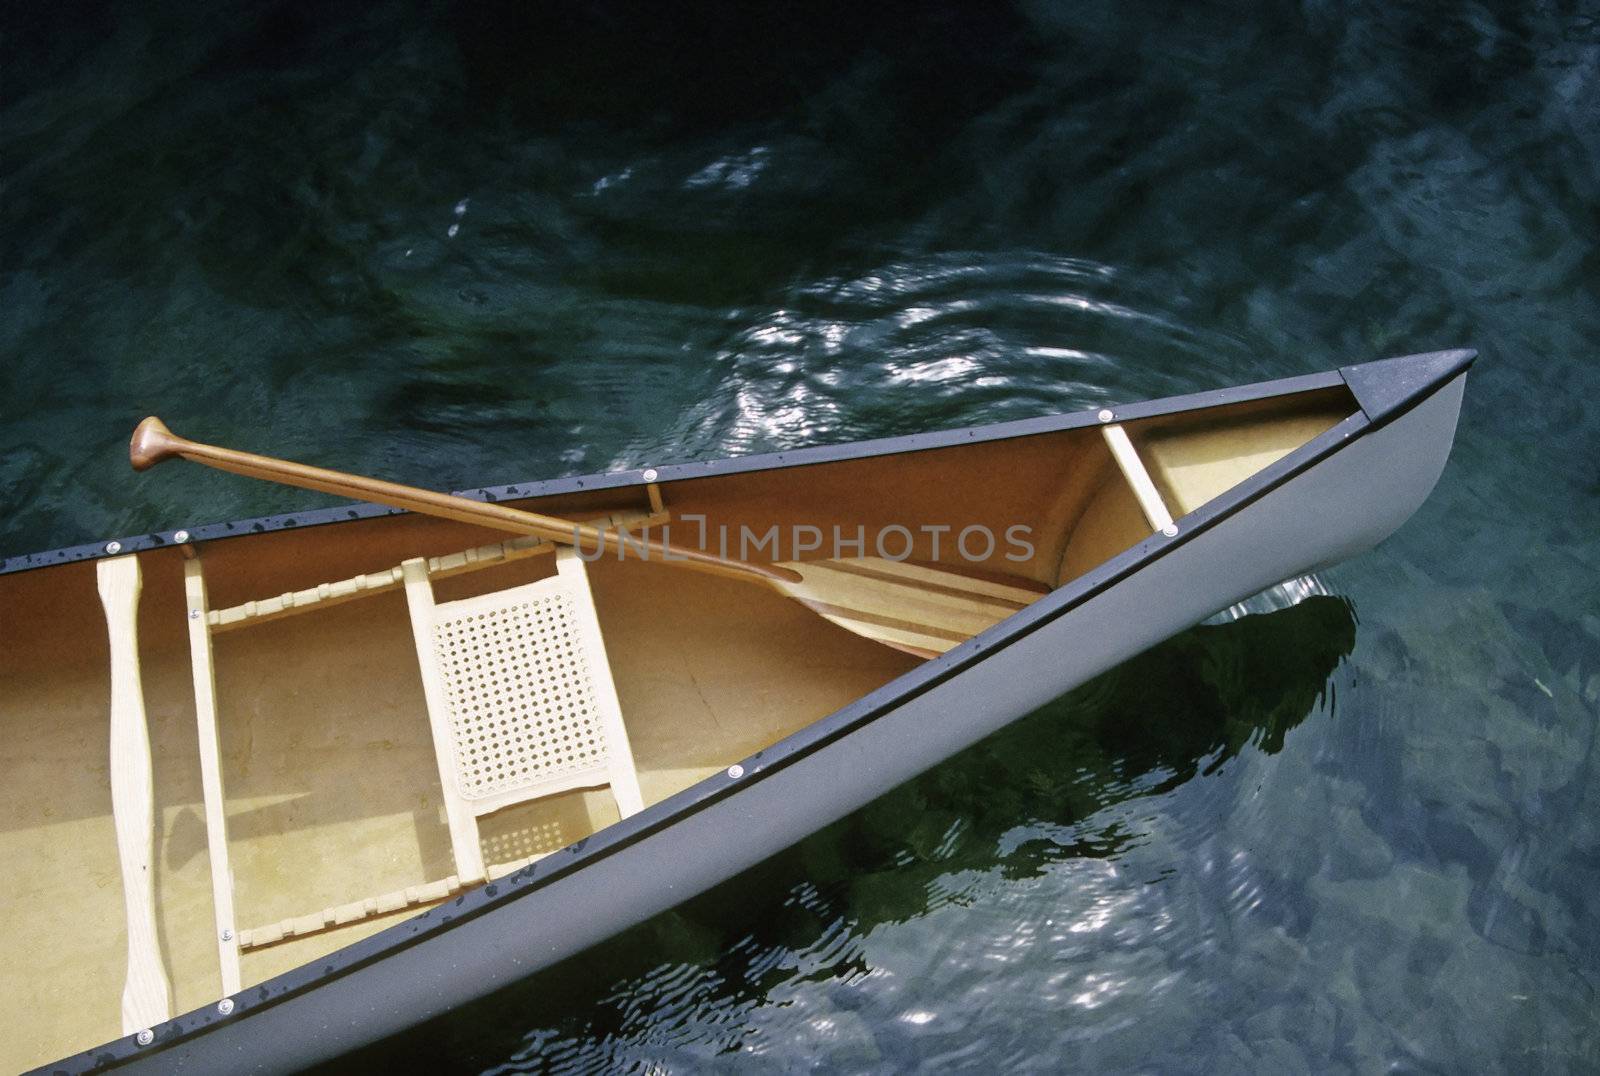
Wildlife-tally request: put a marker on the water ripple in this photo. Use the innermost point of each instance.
(957, 338)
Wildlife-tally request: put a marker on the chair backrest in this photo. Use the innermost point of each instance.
(520, 698)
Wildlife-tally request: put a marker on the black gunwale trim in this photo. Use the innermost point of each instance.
(474, 903)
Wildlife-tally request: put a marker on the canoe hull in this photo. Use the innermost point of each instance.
(1365, 480)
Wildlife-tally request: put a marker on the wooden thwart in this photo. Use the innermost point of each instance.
(1133, 469)
(203, 668)
(146, 995)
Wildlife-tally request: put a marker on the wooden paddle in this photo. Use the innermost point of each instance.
(153, 442)
(922, 610)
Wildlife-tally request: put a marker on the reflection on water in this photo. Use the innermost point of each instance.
(1282, 596)
(963, 337)
(1031, 848)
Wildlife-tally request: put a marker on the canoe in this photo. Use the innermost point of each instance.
(278, 788)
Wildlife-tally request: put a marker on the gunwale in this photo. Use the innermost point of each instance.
(680, 470)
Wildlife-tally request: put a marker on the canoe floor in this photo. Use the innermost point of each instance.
(333, 792)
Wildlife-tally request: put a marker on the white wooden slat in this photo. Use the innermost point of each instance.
(619, 753)
(146, 995)
(203, 667)
(458, 813)
(1133, 469)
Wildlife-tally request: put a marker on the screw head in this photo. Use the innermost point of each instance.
(736, 771)
(180, 537)
(227, 933)
(194, 614)
(145, 1037)
(1170, 530)
(649, 474)
(1105, 415)
(113, 547)
(225, 1006)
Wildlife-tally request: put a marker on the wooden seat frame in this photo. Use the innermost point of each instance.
(204, 622)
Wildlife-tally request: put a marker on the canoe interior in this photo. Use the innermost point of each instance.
(332, 790)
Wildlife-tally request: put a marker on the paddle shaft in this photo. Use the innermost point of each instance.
(152, 443)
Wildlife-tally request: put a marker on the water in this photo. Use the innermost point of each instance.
(482, 245)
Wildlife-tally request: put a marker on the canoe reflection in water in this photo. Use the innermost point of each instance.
(1037, 793)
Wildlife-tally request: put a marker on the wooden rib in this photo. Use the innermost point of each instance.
(656, 505)
(146, 994)
(339, 915)
(262, 610)
(205, 712)
(1133, 469)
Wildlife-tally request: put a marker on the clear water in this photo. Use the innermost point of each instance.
(487, 244)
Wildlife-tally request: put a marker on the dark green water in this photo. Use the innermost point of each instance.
(494, 243)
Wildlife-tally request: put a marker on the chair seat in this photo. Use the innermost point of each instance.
(520, 699)
(526, 718)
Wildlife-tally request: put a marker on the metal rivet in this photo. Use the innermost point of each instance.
(227, 935)
(1170, 530)
(225, 1006)
(113, 547)
(649, 474)
(145, 1037)
(194, 614)
(736, 772)
(180, 537)
(1105, 415)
